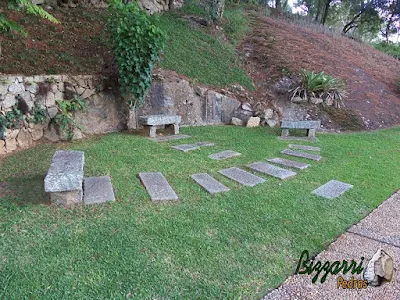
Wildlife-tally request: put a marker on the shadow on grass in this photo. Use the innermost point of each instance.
(25, 190)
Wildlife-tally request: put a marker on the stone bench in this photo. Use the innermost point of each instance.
(154, 122)
(65, 177)
(311, 127)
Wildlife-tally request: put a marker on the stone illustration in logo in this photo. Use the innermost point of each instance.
(379, 268)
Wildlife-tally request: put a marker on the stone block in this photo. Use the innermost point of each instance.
(185, 147)
(170, 138)
(8, 102)
(224, 155)
(301, 124)
(304, 147)
(97, 190)
(301, 154)
(210, 184)
(24, 138)
(271, 170)
(242, 176)
(65, 172)
(157, 186)
(66, 198)
(36, 131)
(160, 120)
(236, 121)
(289, 163)
(332, 189)
(253, 122)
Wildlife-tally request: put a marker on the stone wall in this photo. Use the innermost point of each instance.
(151, 6)
(105, 111)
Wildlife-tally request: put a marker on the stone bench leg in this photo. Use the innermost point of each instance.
(285, 132)
(67, 198)
(311, 132)
(172, 129)
(151, 131)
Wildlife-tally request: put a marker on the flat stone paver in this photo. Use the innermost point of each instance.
(224, 155)
(167, 138)
(271, 170)
(242, 176)
(210, 184)
(304, 147)
(189, 147)
(185, 147)
(332, 189)
(298, 138)
(289, 163)
(97, 190)
(301, 154)
(157, 186)
(204, 144)
(351, 246)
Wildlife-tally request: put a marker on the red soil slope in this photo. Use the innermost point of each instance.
(275, 46)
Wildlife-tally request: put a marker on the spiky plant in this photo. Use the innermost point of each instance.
(320, 85)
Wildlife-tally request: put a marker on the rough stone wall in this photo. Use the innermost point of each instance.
(104, 114)
(151, 6)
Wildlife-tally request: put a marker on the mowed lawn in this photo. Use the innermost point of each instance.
(237, 244)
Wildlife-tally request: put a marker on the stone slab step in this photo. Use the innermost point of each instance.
(289, 163)
(210, 184)
(301, 154)
(97, 190)
(332, 189)
(65, 172)
(157, 186)
(224, 155)
(304, 147)
(298, 138)
(189, 147)
(167, 138)
(242, 176)
(271, 170)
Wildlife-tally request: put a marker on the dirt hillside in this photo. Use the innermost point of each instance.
(275, 48)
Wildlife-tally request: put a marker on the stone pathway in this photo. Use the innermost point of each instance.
(304, 147)
(380, 229)
(289, 163)
(157, 186)
(210, 184)
(332, 189)
(242, 176)
(301, 154)
(271, 170)
(224, 155)
(189, 147)
(167, 138)
(97, 190)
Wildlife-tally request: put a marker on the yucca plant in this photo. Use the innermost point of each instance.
(320, 85)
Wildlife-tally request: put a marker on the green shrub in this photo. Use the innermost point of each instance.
(65, 116)
(137, 43)
(10, 120)
(392, 49)
(38, 113)
(235, 24)
(320, 85)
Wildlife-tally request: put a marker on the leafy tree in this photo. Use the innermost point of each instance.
(26, 6)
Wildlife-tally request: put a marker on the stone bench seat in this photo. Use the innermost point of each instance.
(65, 177)
(153, 122)
(311, 127)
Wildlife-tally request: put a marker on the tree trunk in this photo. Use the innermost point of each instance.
(326, 11)
(318, 10)
(352, 23)
(278, 4)
(218, 7)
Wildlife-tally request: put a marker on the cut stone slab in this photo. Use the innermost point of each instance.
(97, 190)
(167, 138)
(298, 138)
(301, 154)
(189, 147)
(224, 155)
(242, 176)
(157, 186)
(332, 189)
(185, 147)
(271, 170)
(304, 147)
(289, 163)
(204, 144)
(65, 172)
(210, 184)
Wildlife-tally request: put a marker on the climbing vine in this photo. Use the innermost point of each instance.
(137, 44)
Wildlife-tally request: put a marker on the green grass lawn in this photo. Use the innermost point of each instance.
(236, 244)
